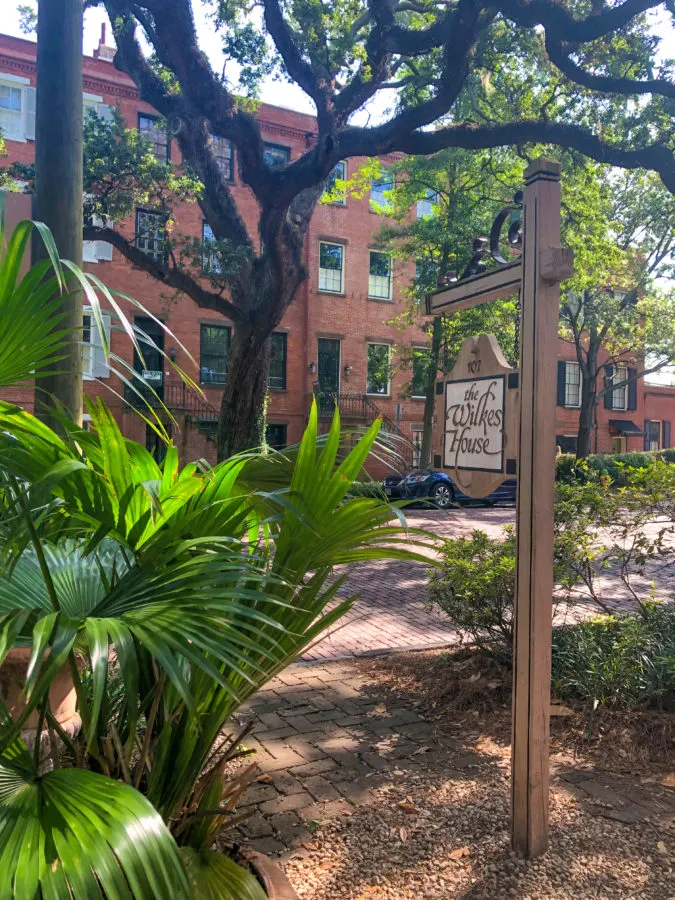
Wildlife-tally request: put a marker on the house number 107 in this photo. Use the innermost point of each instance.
(474, 366)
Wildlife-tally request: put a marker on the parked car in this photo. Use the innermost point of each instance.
(439, 489)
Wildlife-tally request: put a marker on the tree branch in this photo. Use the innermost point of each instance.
(298, 68)
(394, 135)
(559, 56)
(172, 277)
(557, 18)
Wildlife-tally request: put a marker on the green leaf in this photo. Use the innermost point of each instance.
(214, 876)
(73, 833)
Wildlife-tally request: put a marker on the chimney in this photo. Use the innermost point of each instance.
(103, 51)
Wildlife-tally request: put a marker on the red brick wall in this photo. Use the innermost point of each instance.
(567, 420)
(355, 318)
(660, 405)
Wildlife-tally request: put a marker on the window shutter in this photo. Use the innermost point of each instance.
(29, 99)
(666, 436)
(648, 433)
(562, 374)
(89, 251)
(609, 373)
(100, 368)
(106, 112)
(103, 250)
(632, 389)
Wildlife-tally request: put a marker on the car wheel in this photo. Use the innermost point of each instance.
(442, 495)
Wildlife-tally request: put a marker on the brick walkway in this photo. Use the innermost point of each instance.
(392, 612)
(330, 739)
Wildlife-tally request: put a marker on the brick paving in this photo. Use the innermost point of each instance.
(392, 612)
(329, 739)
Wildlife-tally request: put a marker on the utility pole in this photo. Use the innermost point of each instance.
(58, 185)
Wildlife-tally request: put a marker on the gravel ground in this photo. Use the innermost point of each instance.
(448, 839)
(437, 826)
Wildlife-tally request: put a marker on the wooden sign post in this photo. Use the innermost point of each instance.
(543, 264)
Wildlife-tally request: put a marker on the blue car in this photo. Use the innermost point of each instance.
(440, 490)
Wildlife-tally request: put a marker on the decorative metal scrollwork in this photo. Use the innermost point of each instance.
(487, 248)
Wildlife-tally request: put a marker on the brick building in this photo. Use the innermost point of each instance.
(335, 338)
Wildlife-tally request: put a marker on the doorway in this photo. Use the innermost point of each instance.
(328, 372)
(152, 372)
(618, 445)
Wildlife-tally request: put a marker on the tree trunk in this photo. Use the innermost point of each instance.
(241, 422)
(586, 415)
(58, 185)
(430, 392)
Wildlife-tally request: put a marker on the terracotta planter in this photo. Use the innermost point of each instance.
(62, 695)
(277, 886)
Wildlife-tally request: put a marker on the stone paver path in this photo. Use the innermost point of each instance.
(392, 612)
(328, 737)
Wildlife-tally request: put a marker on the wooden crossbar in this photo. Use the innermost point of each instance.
(494, 284)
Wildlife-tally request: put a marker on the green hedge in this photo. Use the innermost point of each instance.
(625, 661)
(569, 469)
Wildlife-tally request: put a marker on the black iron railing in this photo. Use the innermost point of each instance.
(363, 409)
(177, 397)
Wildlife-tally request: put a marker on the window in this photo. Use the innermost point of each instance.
(210, 256)
(214, 348)
(276, 156)
(150, 129)
(331, 267)
(620, 394)
(94, 362)
(150, 234)
(417, 438)
(380, 189)
(17, 108)
(222, 150)
(379, 369)
(566, 442)
(336, 191)
(379, 278)
(653, 435)
(572, 384)
(420, 363)
(277, 372)
(425, 205)
(275, 436)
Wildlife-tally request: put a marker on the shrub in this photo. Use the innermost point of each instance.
(571, 470)
(597, 526)
(475, 587)
(622, 661)
(370, 489)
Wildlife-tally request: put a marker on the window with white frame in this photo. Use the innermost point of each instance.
(379, 369)
(654, 434)
(222, 150)
(335, 188)
(380, 193)
(151, 234)
(572, 384)
(331, 267)
(417, 436)
(92, 103)
(94, 361)
(17, 108)
(420, 369)
(379, 275)
(151, 128)
(425, 205)
(620, 393)
(210, 256)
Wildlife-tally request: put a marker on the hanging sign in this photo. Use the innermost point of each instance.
(478, 406)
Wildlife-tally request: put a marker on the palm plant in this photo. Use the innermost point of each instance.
(181, 591)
